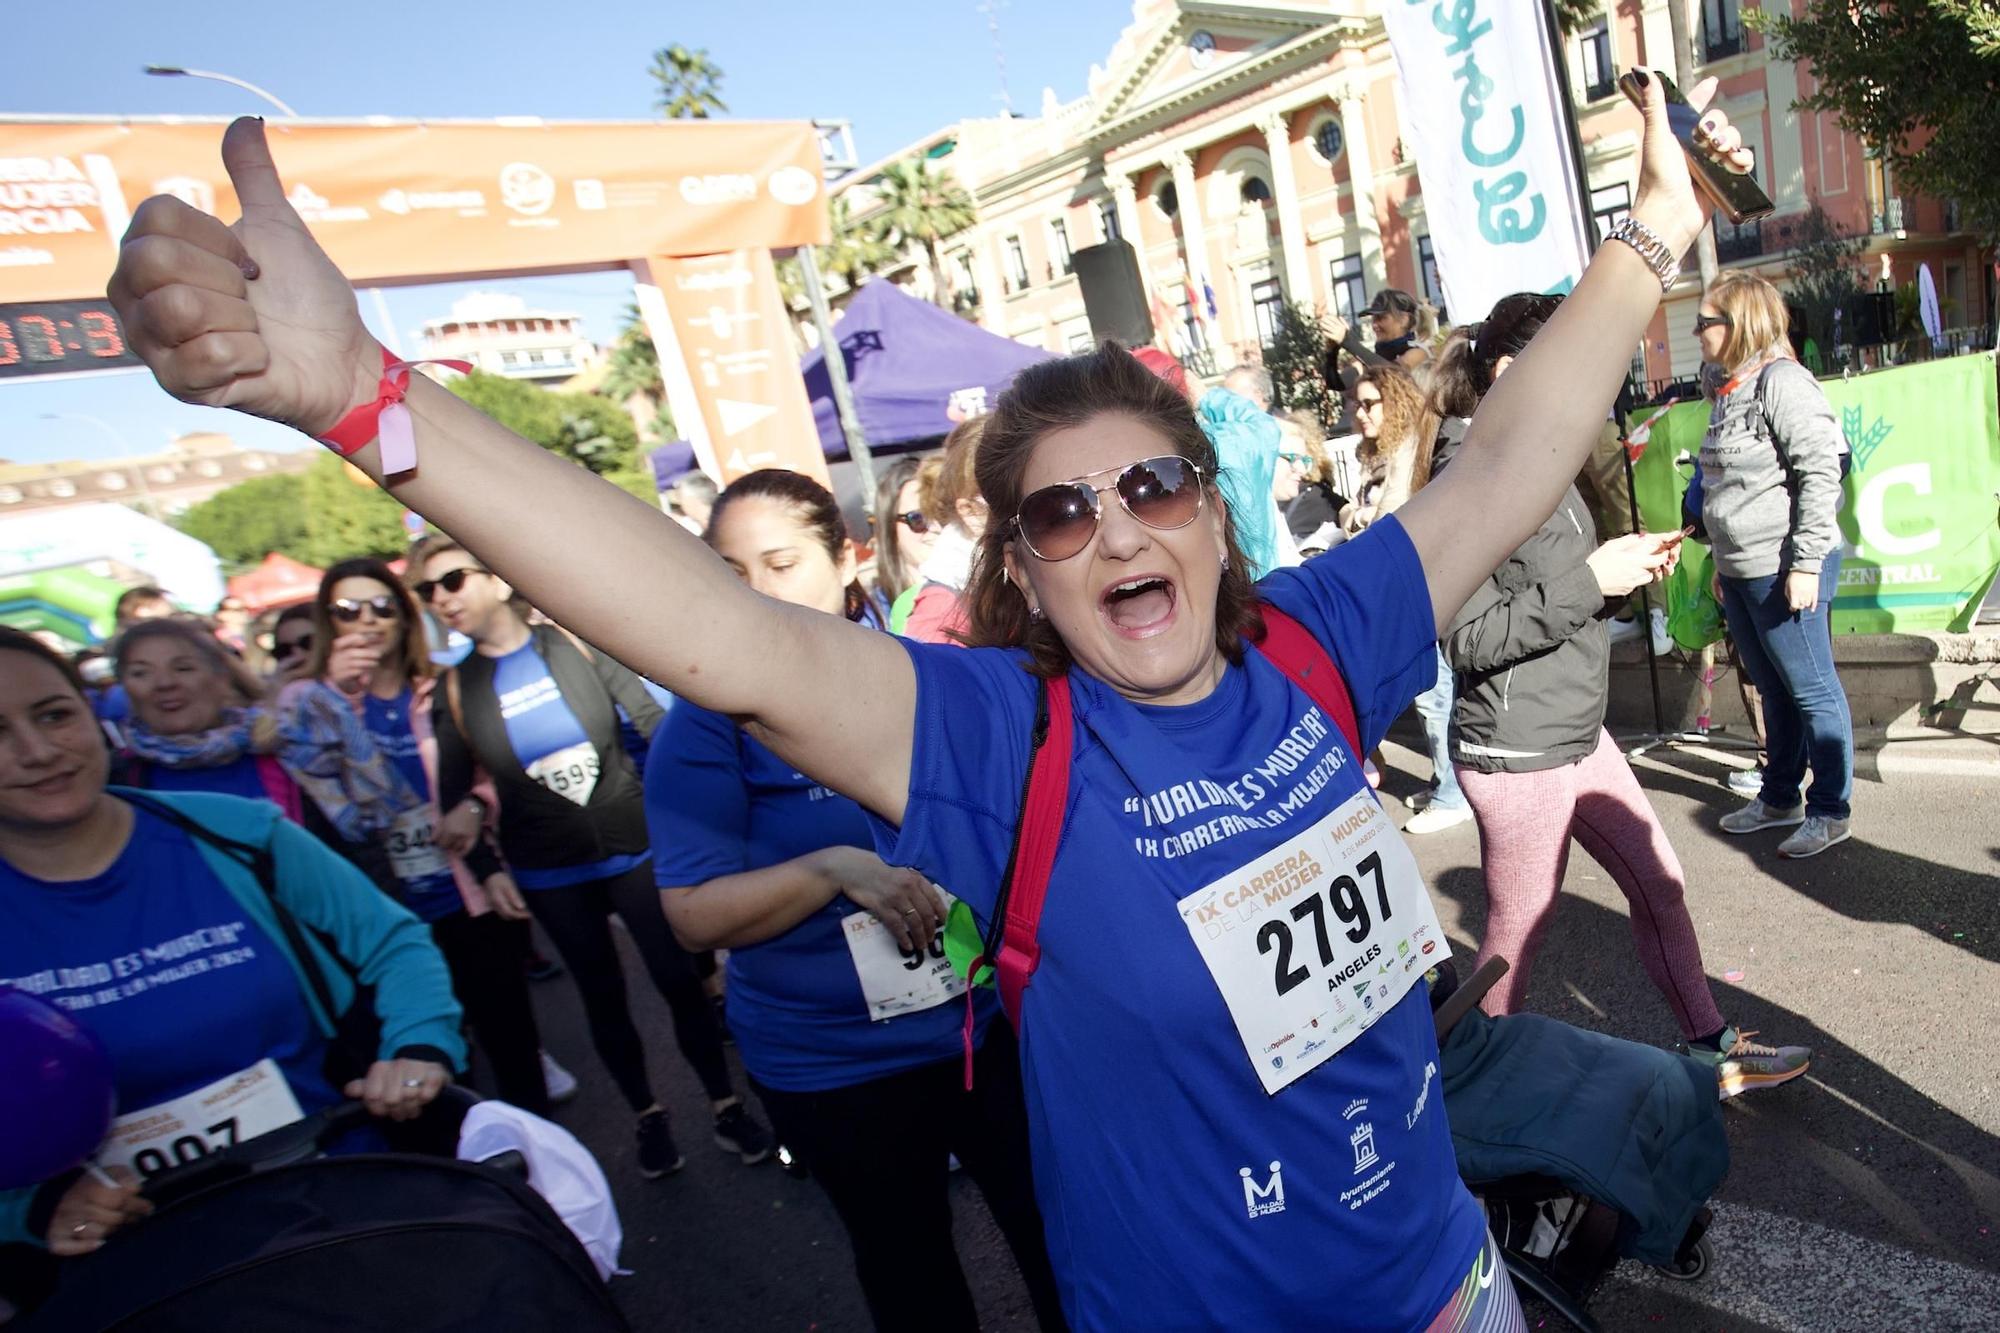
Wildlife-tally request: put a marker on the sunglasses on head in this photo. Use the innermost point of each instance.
(1058, 521)
(1703, 323)
(347, 611)
(451, 581)
(287, 648)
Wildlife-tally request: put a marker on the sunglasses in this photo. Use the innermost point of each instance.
(915, 521)
(347, 612)
(1296, 460)
(1703, 323)
(1367, 404)
(284, 649)
(1058, 521)
(450, 581)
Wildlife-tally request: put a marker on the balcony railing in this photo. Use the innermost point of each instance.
(1890, 219)
(1736, 243)
(1721, 48)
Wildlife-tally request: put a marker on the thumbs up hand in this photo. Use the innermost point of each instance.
(253, 317)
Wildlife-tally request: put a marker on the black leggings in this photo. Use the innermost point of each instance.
(578, 922)
(879, 1150)
(485, 956)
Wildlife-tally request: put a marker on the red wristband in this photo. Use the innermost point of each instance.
(385, 416)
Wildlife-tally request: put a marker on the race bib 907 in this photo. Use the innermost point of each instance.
(228, 1111)
(1314, 941)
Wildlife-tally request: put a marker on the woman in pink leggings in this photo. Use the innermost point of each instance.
(1532, 754)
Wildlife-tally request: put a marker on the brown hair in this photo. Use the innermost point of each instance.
(190, 633)
(1756, 313)
(893, 573)
(811, 505)
(1407, 421)
(1058, 395)
(1313, 434)
(957, 477)
(416, 647)
(1455, 392)
(20, 641)
(131, 597)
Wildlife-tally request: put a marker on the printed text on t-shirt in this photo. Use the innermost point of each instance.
(1200, 812)
(88, 985)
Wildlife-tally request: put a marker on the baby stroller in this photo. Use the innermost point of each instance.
(1563, 1214)
(273, 1233)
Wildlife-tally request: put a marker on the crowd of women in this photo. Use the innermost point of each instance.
(839, 810)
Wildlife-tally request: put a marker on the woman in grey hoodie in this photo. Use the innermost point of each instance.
(1770, 473)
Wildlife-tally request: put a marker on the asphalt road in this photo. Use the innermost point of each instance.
(1864, 1196)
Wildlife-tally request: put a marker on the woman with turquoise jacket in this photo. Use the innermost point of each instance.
(145, 916)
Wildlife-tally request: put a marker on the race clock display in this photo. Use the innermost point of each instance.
(59, 337)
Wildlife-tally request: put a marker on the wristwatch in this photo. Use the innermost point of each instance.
(1666, 265)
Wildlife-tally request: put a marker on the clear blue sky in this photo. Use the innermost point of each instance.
(895, 68)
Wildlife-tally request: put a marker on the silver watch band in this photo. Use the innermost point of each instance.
(1666, 265)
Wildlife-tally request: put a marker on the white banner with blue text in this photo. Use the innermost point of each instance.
(1482, 111)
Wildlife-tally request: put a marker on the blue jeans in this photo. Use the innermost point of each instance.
(1434, 707)
(1789, 658)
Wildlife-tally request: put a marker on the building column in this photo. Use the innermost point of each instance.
(1194, 242)
(1361, 177)
(1126, 192)
(1284, 189)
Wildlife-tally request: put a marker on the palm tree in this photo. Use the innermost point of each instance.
(925, 207)
(856, 250)
(690, 84)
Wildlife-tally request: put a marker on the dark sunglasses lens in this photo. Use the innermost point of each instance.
(1058, 520)
(1161, 492)
(451, 581)
(915, 521)
(283, 649)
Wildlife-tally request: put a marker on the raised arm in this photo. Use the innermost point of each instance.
(1535, 428)
(257, 318)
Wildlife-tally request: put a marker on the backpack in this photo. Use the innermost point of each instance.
(1011, 942)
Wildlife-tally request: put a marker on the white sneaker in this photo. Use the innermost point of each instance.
(1434, 817)
(1745, 781)
(1757, 815)
(560, 1082)
(1663, 642)
(1625, 631)
(1818, 833)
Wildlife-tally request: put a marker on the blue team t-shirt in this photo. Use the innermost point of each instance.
(539, 723)
(1144, 1110)
(161, 961)
(719, 803)
(239, 777)
(429, 897)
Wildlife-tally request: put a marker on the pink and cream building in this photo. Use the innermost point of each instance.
(1251, 153)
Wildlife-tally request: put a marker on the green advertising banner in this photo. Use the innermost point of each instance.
(1918, 514)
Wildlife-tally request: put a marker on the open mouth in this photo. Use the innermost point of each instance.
(1139, 608)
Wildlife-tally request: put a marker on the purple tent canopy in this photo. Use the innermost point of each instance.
(671, 461)
(908, 360)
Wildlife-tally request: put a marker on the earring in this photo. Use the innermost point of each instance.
(1225, 562)
(1035, 613)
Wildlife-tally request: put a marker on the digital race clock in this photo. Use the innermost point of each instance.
(59, 337)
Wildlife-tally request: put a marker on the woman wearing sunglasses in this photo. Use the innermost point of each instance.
(291, 644)
(358, 740)
(538, 710)
(1210, 802)
(191, 727)
(903, 536)
(846, 1015)
(1771, 468)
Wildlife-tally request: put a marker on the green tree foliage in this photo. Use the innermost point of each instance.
(249, 520)
(634, 369)
(1823, 273)
(589, 430)
(1576, 15)
(921, 206)
(1917, 79)
(857, 250)
(1295, 359)
(346, 515)
(690, 83)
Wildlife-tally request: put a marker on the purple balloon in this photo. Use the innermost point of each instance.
(56, 1091)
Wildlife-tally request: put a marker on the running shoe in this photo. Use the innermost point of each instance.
(1818, 833)
(1757, 815)
(737, 1131)
(559, 1081)
(658, 1155)
(1743, 1065)
(1435, 818)
(1420, 800)
(1746, 782)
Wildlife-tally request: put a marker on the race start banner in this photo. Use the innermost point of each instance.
(1483, 117)
(1918, 512)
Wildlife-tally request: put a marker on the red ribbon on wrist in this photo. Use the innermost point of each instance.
(385, 416)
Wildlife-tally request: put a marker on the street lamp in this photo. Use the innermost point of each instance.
(124, 451)
(177, 72)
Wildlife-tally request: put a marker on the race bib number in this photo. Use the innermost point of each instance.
(227, 1111)
(570, 772)
(412, 853)
(1313, 942)
(895, 980)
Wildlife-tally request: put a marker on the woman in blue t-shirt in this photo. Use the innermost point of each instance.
(846, 1014)
(1232, 1111)
(191, 729)
(358, 739)
(117, 906)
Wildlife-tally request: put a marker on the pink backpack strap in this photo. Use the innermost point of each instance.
(1294, 651)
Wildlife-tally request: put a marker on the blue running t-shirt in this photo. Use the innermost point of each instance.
(540, 724)
(239, 777)
(158, 959)
(718, 803)
(433, 895)
(1176, 1192)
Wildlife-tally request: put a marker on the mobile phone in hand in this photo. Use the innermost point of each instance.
(1735, 193)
